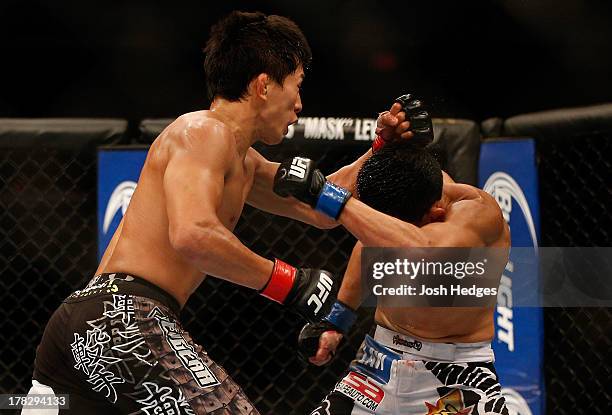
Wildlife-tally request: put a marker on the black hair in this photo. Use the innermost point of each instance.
(402, 180)
(242, 45)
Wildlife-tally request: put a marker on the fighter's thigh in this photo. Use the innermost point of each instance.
(135, 354)
(183, 370)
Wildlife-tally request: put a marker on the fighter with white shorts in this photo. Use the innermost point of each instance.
(417, 360)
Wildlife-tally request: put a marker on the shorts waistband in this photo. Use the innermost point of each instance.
(121, 283)
(439, 352)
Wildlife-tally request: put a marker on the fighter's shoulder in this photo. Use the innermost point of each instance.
(468, 194)
(489, 217)
(199, 128)
(487, 201)
(197, 139)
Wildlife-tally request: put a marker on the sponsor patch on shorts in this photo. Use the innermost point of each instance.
(363, 392)
(184, 351)
(375, 360)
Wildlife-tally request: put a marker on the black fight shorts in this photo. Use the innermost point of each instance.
(117, 347)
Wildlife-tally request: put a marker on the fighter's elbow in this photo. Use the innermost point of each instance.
(192, 241)
(182, 241)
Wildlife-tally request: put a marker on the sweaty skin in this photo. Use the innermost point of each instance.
(197, 177)
(465, 216)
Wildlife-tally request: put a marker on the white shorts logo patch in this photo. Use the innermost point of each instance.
(357, 387)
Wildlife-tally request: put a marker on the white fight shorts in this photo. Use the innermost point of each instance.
(397, 374)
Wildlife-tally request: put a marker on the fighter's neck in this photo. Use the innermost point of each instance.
(239, 118)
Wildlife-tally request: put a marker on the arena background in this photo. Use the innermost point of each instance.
(134, 60)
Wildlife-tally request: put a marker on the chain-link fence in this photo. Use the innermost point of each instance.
(47, 214)
(575, 195)
(48, 225)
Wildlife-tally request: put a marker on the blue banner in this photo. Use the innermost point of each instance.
(508, 172)
(118, 172)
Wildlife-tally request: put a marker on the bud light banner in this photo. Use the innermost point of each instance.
(118, 172)
(508, 172)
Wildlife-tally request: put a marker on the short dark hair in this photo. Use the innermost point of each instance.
(242, 45)
(401, 180)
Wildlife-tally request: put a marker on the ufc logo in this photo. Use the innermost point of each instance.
(298, 167)
(324, 285)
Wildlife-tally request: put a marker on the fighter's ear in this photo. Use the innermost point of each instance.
(259, 86)
(437, 214)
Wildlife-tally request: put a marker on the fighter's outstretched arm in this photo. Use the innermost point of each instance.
(477, 224)
(391, 125)
(262, 197)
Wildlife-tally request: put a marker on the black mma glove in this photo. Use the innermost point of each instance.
(309, 292)
(339, 319)
(298, 177)
(420, 122)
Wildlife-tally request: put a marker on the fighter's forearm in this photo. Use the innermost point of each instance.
(214, 250)
(350, 293)
(374, 228)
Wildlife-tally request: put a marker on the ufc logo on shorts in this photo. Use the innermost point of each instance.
(298, 167)
(324, 285)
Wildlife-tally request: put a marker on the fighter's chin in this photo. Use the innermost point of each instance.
(277, 139)
(280, 139)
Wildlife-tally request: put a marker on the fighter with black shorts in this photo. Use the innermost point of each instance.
(121, 336)
(117, 345)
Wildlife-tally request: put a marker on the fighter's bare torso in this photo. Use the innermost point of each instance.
(141, 244)
(470, 206)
